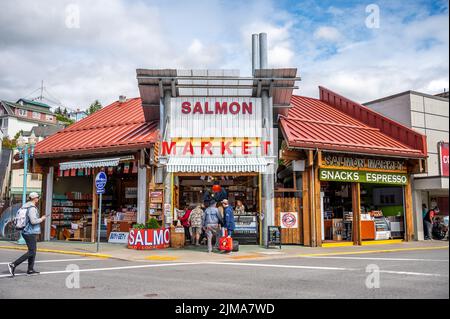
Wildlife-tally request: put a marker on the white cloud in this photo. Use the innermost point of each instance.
(328, 34)
(399, 56)
(98, 60)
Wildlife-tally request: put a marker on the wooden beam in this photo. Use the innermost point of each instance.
(319, 158)
(318, 211)
(356, 208)
(409, 229)
(94, 207)
(310, 159)
(306, 210)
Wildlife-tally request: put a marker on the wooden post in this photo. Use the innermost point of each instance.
(306, 210)
(94, 207)
(356, 208)
(318, 210)
(48, 186)
(409, 227)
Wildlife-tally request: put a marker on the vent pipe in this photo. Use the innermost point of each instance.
(255, 53)
(263, 51)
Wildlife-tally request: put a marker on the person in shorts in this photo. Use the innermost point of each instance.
(196, 221)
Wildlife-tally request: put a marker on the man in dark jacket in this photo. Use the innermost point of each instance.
(229, 224)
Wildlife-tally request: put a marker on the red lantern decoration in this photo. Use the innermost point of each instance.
(216, 188)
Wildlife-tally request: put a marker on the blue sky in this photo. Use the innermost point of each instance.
(328, 41)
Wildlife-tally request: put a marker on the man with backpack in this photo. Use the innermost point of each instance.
(27, 220)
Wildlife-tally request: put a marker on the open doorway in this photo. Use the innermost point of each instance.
(189, 191)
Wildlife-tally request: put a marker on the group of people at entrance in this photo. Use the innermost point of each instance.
(213, 219)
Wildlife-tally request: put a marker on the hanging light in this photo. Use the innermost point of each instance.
(20, 141)
(32, 140)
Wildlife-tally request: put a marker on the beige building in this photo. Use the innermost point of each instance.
(429, 115)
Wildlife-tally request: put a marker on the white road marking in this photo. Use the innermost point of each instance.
(106, 269)
(411, 273)
(226, 264)
(280, 266)
(375, 258)
(59, 260)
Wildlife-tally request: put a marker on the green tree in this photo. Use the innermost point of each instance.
(11, 143)
(94, 107)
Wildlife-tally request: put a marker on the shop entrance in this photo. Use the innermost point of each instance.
(242, 192)
(382, 212)
(75, 203)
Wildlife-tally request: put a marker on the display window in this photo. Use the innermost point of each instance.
(337, 211)
(381, 212)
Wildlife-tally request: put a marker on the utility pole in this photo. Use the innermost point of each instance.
(42, 90)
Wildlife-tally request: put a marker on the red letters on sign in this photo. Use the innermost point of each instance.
(166, 150)
(206, 146)
(185, 107)
(142, 239)
(218, 108)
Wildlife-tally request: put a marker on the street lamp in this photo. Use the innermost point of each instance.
(26, 152)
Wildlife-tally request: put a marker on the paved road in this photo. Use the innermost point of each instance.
(409, 274)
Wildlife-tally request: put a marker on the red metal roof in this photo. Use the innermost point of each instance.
(312, 123)
(118, 126)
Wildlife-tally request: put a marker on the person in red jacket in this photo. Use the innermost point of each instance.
(185, 222)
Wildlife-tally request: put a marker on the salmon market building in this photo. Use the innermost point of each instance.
(319, 171)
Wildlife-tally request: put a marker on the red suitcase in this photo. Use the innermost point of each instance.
(226, 243)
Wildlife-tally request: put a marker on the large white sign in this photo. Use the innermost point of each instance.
(200, 117)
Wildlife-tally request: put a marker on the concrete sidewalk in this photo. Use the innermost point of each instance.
(196, 254)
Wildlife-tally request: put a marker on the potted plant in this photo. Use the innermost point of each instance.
(149, 236)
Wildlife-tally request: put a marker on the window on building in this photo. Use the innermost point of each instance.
(22, 112)
(49, 118)
(4, 122)
(36, 115)
(36, 177)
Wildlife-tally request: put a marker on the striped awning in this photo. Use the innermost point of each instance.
(92, 163)
(217, 165)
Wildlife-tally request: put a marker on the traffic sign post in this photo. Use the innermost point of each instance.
(100, 183)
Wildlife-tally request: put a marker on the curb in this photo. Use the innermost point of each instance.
(65, 252)
(361, 252)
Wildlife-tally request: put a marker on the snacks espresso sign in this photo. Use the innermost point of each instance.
(363, 177)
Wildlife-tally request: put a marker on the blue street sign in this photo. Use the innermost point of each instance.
(100, 182)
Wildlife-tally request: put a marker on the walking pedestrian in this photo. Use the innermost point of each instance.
(229, 224)
(211, 224)
(196, 220)
(30, 233)
(184, 219)
(428, 224)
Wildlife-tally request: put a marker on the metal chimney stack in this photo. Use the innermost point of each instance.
(263, 51)
(259, 52)
(255, 53)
